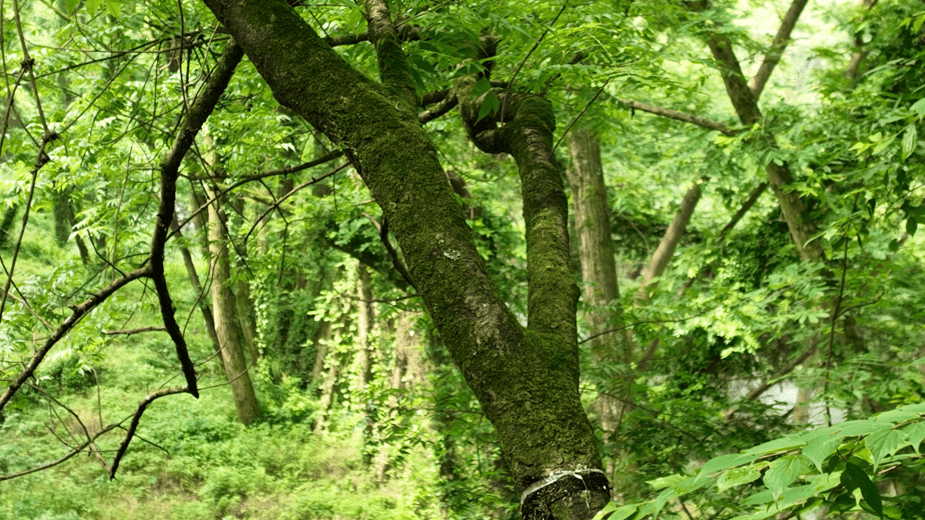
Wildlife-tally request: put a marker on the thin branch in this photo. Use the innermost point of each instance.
(396, 261)
(585, 109)
(136, 418)
(680, 116)
(129, 332)
(277, 203)
(75, 451)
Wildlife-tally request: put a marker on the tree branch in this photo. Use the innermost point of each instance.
(781, 40)
(199, 111)
(680, 116)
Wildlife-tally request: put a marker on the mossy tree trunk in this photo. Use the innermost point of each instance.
(526, 379)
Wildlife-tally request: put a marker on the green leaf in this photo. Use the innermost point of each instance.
(882, 145)
(917, 24)
(782, 472)
(70, 5)
(909, 141)
(490, 104)
(884, 444)
(663, 482)
(857, 428)
(114, 7)
(738, 476)
(919, 107)
(777, 445)
(898, 415)
(621, 513)
(92, 6)
(868, 489)
(818, 449)
(916, 433)
(609, 508)
(911, 226)
(724, 462)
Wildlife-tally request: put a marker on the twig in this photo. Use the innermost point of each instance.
(129, 332)
(585, 109)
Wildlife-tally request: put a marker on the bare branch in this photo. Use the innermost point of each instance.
(136, 418)
(680, 116)
(129, 332)
(781, 39)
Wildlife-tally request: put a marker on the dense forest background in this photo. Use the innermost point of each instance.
(207, 313)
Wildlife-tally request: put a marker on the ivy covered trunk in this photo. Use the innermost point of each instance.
(526, 379)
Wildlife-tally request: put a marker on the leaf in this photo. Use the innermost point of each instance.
(917, 24)
(782, 472)
(884, 444)
(919, 107)
(724, 462)
(898, 415)
(490, 104)
(909, 141)
(857, 428)
(663, 482)
(911, 226)
(882, 145)
(868, 490)
(738, 476)
(609, 508)
(818, 449)
(114, 7)
(777, 445)
(916, 433)
(92, 6)
(621, 513)
(70, 5)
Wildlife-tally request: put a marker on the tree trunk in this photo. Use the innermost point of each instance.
(365, 323)
(227, 329)
(598, 269)
(801, 225)
(525, 379)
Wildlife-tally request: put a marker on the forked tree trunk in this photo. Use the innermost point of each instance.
(526, 379)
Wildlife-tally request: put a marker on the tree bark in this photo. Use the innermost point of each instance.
(525, 379)
(365, 323)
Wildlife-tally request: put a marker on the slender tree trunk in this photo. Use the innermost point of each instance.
(599, 272)
(799, 222)
(227, 329)
(322, 342)
(365, 323)
(669, 243)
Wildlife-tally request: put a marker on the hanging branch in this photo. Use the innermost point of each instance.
(199, 111)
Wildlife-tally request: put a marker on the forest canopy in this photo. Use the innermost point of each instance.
(619, 259)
